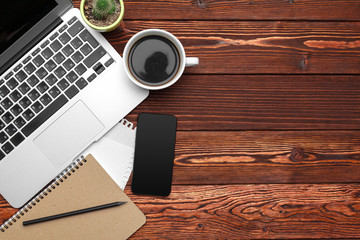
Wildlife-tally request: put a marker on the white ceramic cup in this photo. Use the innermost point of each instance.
(184, 61)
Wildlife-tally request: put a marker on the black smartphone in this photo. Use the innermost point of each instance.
(154, 154)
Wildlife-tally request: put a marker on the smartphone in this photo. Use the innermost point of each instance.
(154, 154)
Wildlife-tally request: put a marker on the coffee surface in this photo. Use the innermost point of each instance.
(154, 60)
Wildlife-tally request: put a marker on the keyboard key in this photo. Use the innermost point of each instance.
(64, 38)
(12, 83)
(19, 122)
(35, 52)
(87, 37)
(2, 125)
(50, 65)
(75, 29)
(26, 60)
(37, 107)
(81, 83)
(76, 43)
(2, 155)
(44, 115)
(17, 139)
(33, 94)
(41, 73)
(1, 112)
(51, 79)
(24, 88)
(3, 137)
(55, 46)
(54, 92)
(86, 49)
(4, 91)
(7, 117)
(109, 62)
(60, 72)
(25, 102)
(71, 77)
(68, 64)
(63, 28)
(71, 92)
(17, 68)
(6, 103)
(20, 76)
(10, 130)
(99, 68)
(28, 114)
(30, 68)
(77, 57)
(94, 57)
(45, 99)
(38, 61)
(15, 95)
(42, 87)
(67, 50)
(59, 58)
(54, 36)
(80, 69)
(2, 81)
(63, 84)
(47, 53)
(33, 80)
(7, 148)
(16, 110)
(72, 20)
(91, 77)
(44, 44)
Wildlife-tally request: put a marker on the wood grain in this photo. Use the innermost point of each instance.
(243, 102)
(242, 9)
(260, 47)
(249, 211)
(218, 157)
(260, 157)
(252, 211)
(6, 211)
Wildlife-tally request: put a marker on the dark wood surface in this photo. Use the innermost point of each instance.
(260, 47)
(268, 142)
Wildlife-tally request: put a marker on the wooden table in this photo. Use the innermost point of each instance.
(268, 141)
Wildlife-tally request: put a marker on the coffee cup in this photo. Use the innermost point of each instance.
(155, 59)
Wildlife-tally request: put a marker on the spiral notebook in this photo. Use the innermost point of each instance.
(84, 184)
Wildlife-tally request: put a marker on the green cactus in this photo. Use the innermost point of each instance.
(103, 8)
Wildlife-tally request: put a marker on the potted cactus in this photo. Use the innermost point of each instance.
(102, 15)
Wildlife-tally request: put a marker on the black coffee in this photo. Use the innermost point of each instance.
(154, 60)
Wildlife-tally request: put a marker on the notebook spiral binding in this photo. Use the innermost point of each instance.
(129, 169)
(57, 181)
(127, 123)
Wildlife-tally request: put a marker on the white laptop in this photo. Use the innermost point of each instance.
(62, 87)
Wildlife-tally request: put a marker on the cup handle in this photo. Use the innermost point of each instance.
(191, 61)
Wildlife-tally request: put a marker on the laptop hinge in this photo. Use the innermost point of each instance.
(28, 47)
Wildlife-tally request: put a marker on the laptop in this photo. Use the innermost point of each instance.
(62, 87)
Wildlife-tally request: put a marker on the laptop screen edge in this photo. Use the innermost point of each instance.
(11, 52)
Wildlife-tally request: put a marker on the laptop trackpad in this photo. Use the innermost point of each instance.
(68, 134)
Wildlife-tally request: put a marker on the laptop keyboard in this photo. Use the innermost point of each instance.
(44, 81)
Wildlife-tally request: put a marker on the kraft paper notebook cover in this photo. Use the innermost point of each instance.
(85, 184)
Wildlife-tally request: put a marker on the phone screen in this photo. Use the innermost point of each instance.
(154, 154)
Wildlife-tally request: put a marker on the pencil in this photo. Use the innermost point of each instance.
(76, 212)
